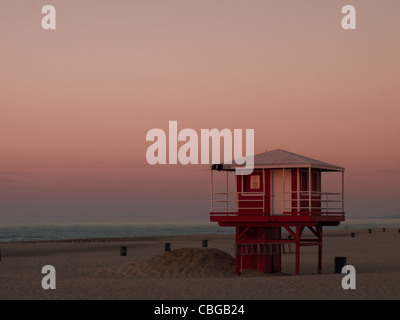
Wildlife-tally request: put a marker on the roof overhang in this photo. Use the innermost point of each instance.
(276, 159)
(232, 167)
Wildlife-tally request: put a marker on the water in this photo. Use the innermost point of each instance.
(57, 231)
(23, 231)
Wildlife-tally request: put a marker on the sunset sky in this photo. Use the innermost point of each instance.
(76, 102)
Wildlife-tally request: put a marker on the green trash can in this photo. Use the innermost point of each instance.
(340, 262)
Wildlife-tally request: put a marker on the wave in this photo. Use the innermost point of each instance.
(28, 232)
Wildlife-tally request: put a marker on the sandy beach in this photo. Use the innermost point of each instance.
(94, 269)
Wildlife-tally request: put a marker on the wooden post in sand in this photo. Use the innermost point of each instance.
(123, 250)
(167, 247)
(205, 243)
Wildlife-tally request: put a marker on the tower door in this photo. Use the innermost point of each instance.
(281, 186)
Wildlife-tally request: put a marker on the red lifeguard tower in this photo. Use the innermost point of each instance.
(283, 191)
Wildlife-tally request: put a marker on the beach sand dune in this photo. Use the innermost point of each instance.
(94, 269)
(184, 262)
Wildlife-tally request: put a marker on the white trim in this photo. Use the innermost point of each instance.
(263, 173)
(277, 166)
(342, 191)
(212, 190)
(271, 193)
(283, 188)
(298, 190)
(309, 188)
(227, 191)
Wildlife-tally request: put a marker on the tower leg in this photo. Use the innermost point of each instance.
(319, 258)
(319, 231)
(299, 232)
(297, 271)
(238, 256)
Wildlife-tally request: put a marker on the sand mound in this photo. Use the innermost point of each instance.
(193, 262)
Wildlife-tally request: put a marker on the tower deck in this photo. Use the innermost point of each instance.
(232, 219)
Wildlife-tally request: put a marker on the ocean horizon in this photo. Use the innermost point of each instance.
(14, 230)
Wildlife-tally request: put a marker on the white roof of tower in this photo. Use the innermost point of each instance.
(279, 158)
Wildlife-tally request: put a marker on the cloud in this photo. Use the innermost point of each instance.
(5, 179)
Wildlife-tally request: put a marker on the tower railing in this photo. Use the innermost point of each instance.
(235, 201)
(285, 202)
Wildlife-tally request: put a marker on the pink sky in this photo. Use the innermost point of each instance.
(76, 103)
